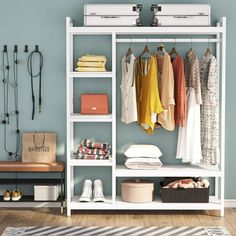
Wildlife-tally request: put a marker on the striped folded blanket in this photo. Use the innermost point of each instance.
(90, 150)
(92, 144)
(92, 157)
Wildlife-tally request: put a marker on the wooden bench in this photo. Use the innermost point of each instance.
(34, 167)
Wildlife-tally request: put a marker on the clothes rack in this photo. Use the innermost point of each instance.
(213, 34)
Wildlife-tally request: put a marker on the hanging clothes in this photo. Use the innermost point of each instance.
(189, 146)
(180, 91)
(192, 74)
(148, 100)
(209, 110)
(189, 139)
(128, 91)
(166, 90)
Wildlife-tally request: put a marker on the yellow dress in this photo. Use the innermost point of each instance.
(148, 100)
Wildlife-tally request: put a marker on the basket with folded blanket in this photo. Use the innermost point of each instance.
(143, 157)
(91, 63)
(93, 150)
(177, 189)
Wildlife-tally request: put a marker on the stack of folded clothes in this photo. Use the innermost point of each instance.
(174, 182)
(91, 63)
(90, 150)
(143, 157)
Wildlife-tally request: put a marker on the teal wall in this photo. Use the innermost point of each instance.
(43, 22)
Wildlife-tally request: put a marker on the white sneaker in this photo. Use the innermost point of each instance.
(98, 191)
(86, 195)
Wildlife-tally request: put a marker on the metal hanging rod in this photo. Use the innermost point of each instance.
(169, 40)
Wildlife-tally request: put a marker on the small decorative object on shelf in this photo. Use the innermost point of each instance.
(91, 150)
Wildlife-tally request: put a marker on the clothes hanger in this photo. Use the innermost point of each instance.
(208, 51)
(129, 51)
(173, 50)
(146, 50)
(191, 47)
(161, 49)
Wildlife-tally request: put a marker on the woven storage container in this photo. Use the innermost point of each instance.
(194, 195)
(137, 191)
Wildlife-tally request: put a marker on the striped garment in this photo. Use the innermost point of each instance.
(91, 144)
(97, 151)
(92, 157)
(90, 150)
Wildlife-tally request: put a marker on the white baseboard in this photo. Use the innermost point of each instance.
(230, 203)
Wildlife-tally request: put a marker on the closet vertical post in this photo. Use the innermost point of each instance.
(69, 108)
(113, 117)
(222, 112)
(218, 56)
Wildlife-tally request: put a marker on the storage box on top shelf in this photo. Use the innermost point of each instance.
(112, 15)
(181, 15)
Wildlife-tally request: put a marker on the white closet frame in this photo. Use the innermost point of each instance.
(216, 35)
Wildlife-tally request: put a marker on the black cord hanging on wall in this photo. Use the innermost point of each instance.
(6, 95)
(33, 75)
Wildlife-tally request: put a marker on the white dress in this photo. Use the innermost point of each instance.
(128, 91)
(189, 137)
(189, 140)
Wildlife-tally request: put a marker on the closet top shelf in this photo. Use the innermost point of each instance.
(212, 30)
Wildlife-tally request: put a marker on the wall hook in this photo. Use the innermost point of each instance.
(26, 50)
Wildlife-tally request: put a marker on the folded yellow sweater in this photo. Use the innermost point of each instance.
(94, 58)
(90, 69)
(90, 64)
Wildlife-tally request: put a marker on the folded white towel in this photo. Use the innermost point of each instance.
(143, 163)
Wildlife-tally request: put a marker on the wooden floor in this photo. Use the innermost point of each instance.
(52, 217)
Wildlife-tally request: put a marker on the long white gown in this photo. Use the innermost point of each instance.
(189, 139)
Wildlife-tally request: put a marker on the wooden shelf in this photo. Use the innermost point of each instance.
(90, 118)
(75, 74)
(168, 171)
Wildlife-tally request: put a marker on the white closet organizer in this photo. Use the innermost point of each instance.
(217, 35)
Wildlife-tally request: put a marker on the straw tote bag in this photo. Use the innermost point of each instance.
(39, 147)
